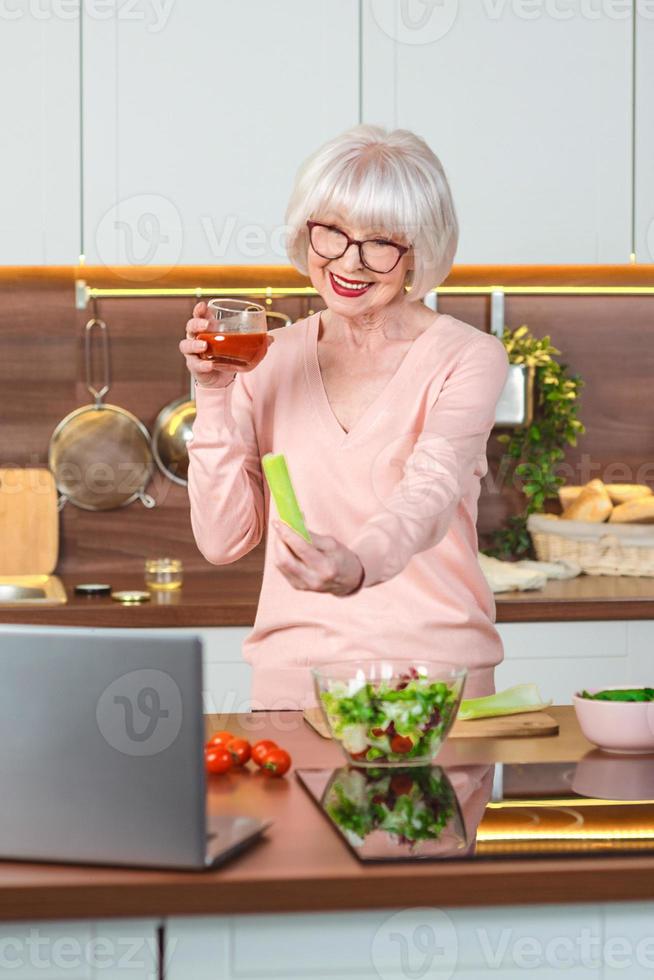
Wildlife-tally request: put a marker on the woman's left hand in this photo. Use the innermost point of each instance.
(325, 565)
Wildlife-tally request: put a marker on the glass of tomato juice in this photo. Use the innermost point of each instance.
(237, 334)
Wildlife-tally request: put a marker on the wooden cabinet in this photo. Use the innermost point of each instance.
(39, 72)
(528, 106)
(197, 118)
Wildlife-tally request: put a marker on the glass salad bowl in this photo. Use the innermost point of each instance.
(389, 713)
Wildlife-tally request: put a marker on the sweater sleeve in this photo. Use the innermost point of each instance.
(440, 469)
(225, 482)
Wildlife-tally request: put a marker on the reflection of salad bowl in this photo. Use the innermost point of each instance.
(413, 811)
(614, 723)
(389, 713)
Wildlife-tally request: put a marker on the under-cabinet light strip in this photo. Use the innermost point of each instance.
(563, 802)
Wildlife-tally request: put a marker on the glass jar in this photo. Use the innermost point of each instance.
(163, 574)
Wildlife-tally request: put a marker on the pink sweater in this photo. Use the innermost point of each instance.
(400, 489)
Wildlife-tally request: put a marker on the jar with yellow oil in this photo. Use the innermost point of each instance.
(163, 574)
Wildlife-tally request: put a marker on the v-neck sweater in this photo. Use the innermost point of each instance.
(400, 489)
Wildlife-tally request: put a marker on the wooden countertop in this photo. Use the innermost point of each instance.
(302, 864)
(227, 596)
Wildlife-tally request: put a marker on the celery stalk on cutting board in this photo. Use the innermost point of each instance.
(513, 701)
(281, 488)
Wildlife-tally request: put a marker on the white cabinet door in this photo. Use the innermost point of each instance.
(468, 943)
(39, 75)
(197, 116)
(528, 105)
(644, 162)
(71, 950)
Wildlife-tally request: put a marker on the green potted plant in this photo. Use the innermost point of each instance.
(534, 450)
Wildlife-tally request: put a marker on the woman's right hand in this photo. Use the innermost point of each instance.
(207, 374)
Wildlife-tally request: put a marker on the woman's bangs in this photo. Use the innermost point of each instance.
(369, 196)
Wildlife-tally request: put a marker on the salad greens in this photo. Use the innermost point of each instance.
(513, 701)
(391, 721)
(412, 804)
(624, 694)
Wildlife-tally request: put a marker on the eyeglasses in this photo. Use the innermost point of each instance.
(376, 254)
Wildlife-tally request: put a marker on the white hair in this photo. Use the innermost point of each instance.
(390, 181)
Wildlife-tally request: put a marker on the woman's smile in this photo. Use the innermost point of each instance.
(349, 287)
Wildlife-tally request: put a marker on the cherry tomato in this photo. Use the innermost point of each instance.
(401, 784)
(400, 744)
(217, 759)
(378, 732)
(276, 763)
(239, 749)
(359, 755)
(220, 739)
(261, 749)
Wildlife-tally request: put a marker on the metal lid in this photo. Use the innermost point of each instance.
(92, 588)
(131, 597)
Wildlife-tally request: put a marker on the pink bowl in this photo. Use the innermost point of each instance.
(617, 726)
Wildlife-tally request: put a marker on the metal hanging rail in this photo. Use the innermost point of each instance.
(85, 293)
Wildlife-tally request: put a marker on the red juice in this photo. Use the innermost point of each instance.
(233, 349)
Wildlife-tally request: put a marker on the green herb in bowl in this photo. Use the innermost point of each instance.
(621, 694)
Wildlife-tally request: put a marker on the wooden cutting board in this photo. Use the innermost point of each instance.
(29, 522)
(530, 724)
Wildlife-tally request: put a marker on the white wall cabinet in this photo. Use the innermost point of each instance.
(644, 162)
(528, 105)
(40, 189)
(197, 115)
(197, 118)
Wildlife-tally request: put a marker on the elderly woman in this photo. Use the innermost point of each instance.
(382, 408)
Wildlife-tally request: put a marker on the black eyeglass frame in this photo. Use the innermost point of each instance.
(402, 249)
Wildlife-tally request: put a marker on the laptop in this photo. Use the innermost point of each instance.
(102, 753)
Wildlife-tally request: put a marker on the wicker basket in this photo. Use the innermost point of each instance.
(600, 549)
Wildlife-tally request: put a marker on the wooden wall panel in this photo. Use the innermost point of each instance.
(608, 340)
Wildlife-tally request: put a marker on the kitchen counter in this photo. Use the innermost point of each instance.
(302, 865)
(227, 596)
